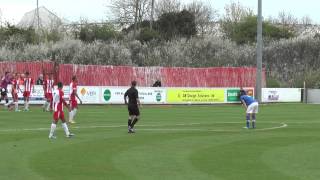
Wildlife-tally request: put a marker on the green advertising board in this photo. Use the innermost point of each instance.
(232, 95)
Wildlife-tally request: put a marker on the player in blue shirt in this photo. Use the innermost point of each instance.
(251, 106)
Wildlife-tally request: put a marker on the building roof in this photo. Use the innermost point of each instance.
(47, 19)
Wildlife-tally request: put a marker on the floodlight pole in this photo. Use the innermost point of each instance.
(259, 53)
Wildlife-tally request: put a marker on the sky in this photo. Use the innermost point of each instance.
(96, 10)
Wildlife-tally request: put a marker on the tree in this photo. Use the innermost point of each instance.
(167, 6)
(147, 34)
(102, 32)
(177, 24)
(234, 13)
(131, 11)
(245, 31)
(186, 24)
(204, 16)
(152, 14)
(287, 20)
(167, 25)
(306, 21)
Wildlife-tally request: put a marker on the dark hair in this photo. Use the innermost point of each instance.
(74, 78)
(133, 83)
(27, 73)
(60, 85)
(242, 92)
(7, 72)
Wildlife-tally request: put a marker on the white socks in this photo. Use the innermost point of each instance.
(16, 105)
(45, 105)
(48, 106)
(52, 130)
(72, 114)
(66, 129)
(54, 126)
(26, 105)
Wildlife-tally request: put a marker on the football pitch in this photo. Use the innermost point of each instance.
(170, 143)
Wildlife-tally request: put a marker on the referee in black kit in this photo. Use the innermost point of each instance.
(133, 108)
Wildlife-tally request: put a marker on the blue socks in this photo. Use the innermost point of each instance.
(253, 120)
(248, 121)
(253, 124)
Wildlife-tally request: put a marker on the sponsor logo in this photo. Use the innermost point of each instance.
(158, 97)
(232, 95)
(107, 95)
(195, 95)
(83, 91)
(88, 92)
(273, 96)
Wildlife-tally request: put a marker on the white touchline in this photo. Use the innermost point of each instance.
(283, 125)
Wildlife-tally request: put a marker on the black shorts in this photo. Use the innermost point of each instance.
(3, 92)
(133, 110)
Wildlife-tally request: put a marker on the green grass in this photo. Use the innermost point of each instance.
(172, 142)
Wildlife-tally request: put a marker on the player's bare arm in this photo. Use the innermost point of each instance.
(125, 98)
(244, 104)
(138, 101)
(76, 94)
(66, 104)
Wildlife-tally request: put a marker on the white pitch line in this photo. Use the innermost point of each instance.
(271, 128)
(283, 125)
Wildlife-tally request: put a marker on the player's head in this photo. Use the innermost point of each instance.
(27, 73)
(242, 92)
(6, 73)
(74, 78)
(51, 76)
(60, 85)
(134, 83)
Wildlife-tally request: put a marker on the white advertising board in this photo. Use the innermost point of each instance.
(151, 95)
(37, 94)
(114, 95)
(281, 95)
(89, 94)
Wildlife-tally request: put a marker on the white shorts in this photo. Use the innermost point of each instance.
(253, 108)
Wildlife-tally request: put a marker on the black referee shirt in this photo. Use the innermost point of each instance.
(132, 93)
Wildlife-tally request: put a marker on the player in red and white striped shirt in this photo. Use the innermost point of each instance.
(48, 87)
(58, 103)
(73, 100)
(15, 90)
(28, 88)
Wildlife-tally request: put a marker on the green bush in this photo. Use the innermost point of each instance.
(147, 34)
(25, 36)
(273, 83)
(245, 31)
(92, 32)
(177, 24)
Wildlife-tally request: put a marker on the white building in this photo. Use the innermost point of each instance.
(47, 19)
